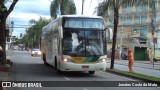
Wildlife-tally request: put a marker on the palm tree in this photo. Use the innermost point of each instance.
(33, 34)
(4, 12)
(62, 7)
(32, 21)
(115, 5)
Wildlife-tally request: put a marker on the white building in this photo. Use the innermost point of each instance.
(9, 33)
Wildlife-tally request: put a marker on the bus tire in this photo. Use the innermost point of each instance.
(91, 72)
(56, 67)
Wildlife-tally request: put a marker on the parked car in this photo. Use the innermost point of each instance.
(124, 54)
(35, 51)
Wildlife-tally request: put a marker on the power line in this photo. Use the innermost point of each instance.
(20, 25)
(25, 27)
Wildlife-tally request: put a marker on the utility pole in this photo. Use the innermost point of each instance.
(120, 48)
(82, 6)
(153, 32)
(12, 24)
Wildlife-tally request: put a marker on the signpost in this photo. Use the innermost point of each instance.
(154, 42)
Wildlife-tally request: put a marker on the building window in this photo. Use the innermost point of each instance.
(144, 19)
(135, 41)
(138, 19)
(123, 21)
(129, 9)
(139, 8)
(135, 30)
(143, 32)
(129, 20)
(142, 41)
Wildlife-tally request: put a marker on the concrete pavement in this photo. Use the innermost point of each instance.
(5, 76)
(142, 67)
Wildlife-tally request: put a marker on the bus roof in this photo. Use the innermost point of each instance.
(82, 16)
(71, 16)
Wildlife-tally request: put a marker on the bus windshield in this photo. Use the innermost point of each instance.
(83, 37)
(84, 42)
(83, 23)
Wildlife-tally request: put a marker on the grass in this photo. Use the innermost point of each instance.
(136, 75)
(141, 76)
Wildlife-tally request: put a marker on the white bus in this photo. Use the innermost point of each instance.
(75, 43)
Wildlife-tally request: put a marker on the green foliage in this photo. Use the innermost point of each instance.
(33, 34)
(2, 6)
(65, 6)
(141, 76)
(135, 75)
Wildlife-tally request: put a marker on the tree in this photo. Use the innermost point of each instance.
(62, 7)
(33, 34)
(3, 15)
(32, 21)
(108, 5)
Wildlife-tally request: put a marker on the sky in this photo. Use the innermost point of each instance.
(26, 10)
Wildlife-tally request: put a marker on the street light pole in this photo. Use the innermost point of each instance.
(120, 48)
(153, 32)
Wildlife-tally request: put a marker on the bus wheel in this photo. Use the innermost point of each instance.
(91, 72)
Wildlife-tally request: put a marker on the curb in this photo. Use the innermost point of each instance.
(118, 72)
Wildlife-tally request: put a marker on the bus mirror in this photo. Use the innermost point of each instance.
(109, 33)
(60, 32)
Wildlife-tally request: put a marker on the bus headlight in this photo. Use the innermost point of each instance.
(102, 60)
(39, 52)
(66, 60)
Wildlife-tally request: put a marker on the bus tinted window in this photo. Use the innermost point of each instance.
(83, 23)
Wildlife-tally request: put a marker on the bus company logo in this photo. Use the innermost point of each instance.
(6, 84)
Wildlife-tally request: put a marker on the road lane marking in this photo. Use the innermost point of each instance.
(66, 78)
(85, 89)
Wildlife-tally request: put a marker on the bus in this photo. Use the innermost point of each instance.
(75, 43)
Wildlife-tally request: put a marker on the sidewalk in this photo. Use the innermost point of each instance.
(4, 76)
(142, 67)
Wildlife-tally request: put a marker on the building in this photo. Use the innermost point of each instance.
(135, 29)
(8, 34)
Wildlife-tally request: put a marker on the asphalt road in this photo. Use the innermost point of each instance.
(28, 68)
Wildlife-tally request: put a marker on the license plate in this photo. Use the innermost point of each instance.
(78, 59)
(85, 67)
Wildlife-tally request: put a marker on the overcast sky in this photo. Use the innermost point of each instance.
(26, 10)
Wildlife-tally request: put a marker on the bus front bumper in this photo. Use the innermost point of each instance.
(68, 66)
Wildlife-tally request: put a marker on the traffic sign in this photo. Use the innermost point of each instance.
(155, 40)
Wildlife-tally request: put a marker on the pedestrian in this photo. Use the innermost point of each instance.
(130, 60)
